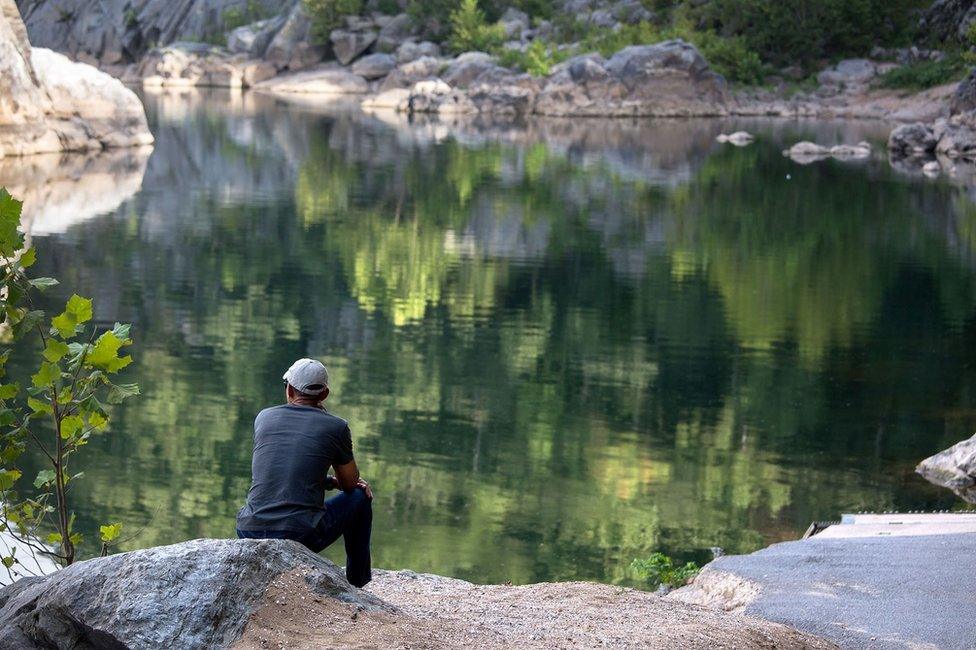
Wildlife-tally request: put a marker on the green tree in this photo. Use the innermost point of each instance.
(470, 29)
(62, 408)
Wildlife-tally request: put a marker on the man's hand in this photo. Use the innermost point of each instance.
(331, 482)
(364, 486)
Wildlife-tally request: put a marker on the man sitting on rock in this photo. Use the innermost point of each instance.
(295, 444)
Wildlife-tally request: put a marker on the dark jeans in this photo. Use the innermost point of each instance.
(348, 514)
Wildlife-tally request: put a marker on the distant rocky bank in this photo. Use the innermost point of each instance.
(49, 103)
(275, 593)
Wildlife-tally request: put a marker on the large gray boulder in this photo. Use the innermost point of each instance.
(411, 51)
(848, 73)
(253, 40)
(953, 468)
(374, 66)
(392, 34)
(467, 67)
(668, 79)
(955, 140)
(347, 45)
(964, 99)
(197, 594)
(292, 45)
(912, 139)
(49, 103)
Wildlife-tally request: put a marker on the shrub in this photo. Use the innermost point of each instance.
(803, 32)
(659, 569)
(326, 15)
(925, 74)
(537, 59)
(729, 56)
(470, 29)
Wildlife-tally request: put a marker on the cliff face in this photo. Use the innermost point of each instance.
(48, 103)
(121, 31)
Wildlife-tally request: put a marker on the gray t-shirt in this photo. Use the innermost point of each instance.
(294, 446)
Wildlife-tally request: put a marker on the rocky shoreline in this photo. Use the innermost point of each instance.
(275, 593)
(383, 62)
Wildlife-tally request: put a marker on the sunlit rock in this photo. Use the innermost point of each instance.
(49, 103)
(953, 468)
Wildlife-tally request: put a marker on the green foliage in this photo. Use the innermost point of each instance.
(925, 74)
(804, 32)
(537, 59)
(61, 410)
(659, 569)
(728, 55)
(234, 17)
(326, 15)
(470, 29)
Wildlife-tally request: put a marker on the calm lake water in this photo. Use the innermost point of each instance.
(561, 345)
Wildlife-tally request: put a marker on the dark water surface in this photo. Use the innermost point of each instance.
(562, 345)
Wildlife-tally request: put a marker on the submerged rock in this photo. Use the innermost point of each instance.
(739, 138)
(953, 468)
(196, 594)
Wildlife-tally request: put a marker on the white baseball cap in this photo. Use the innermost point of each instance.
(307, 376)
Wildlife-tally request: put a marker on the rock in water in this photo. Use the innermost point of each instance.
(954, 468)
(739, 138)
(49, 103)
(911, 139)
(196, 594)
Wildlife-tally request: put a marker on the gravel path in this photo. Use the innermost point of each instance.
(437, 612)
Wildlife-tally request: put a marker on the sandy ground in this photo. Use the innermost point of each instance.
(436, 612)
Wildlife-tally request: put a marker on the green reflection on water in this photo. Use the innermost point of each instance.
(555, 357)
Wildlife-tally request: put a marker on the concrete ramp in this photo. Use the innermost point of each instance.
(874, 582)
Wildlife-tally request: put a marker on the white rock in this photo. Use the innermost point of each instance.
(932, 168)
(322, 80)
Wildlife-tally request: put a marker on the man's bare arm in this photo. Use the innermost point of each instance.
(347, 476)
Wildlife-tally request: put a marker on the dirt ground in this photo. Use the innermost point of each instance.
(435, 612)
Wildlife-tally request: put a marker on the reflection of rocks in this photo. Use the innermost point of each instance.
(61, 190)
(953, 468)
(49, 104)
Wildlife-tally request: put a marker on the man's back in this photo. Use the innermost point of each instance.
(294, 446)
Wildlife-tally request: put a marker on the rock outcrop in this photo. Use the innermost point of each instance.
(197, 594)
(49, 103)
(948, 20)
(953, 468)
(122, 31)
(912, 140)
(666, 79)
(255, 593)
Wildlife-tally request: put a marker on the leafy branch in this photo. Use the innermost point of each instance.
(64, 406)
